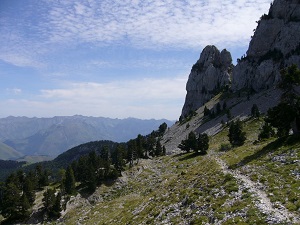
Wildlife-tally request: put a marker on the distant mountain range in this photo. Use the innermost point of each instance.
(21, 136)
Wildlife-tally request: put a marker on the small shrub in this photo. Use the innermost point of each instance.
(225, 147)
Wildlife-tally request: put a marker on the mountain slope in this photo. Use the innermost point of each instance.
(193, 189)
(52, 136)
(238, 105)
(7, 152)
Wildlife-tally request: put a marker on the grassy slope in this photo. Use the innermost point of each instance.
(273, 163)
(189, 189)
(7, 152)
(35, 158)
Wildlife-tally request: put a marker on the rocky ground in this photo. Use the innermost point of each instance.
(278, 214)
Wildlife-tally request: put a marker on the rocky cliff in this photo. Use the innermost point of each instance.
(209, 75)
(274, 46)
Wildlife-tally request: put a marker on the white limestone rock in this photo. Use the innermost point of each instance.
(274, 46)
(211, 72)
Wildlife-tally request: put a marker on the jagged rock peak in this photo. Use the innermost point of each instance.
(210, 73)
(274, 46)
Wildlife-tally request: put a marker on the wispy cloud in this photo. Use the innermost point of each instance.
(14, 91)
(47, 25)
(156, 23)
(145, 98)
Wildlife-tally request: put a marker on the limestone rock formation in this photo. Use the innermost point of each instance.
(274, 46)
(209, 75)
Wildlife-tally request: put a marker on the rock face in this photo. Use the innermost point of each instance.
(209, 75)
(274, 46)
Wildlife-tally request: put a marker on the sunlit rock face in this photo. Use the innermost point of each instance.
(209, 75)
(274, 46)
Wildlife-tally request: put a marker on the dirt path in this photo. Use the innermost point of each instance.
(274, 215)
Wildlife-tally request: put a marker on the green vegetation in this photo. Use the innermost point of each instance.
(286, 115)
(7, 152)
(236, 136)
(255, 111)
(272, 162)
(198, 144)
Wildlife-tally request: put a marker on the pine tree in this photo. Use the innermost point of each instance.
(236, 136)
(255, 111)
(286, 115)
(206, 111)
(266, 132)
(24, 207)
(203, 143)
(132, 151)
(190, 143)
(158, 149)
(139, 144)
(91, 182)
(218, 108)
(120, 162)
(224, 105)
(164, 150)
(11, 201)
(28, 190)
(55, 210)
(48, 199)
(162, 128)
(70, 181)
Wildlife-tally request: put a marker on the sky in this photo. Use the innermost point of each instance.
(112, 58)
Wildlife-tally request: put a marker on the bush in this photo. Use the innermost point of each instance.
(266, 132)
(225, 147)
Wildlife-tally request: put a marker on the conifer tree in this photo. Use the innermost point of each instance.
(55, 211)
(164, 150)
(255, 111)
(206, 111)
(218, 108)
(24, 207)
(158, 149)
(139, 144)
(11, 201)
(236, 136)
(190, 143)
(266, 132)
(203, 143)
(70, 181)
(28, 190)
(224, 105)
(120, 162)
(286, 115)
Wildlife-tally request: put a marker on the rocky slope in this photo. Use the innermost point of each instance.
(239, 105)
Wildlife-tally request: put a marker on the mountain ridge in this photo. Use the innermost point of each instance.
(52, 136)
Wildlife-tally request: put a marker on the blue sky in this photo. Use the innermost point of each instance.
(112, 58)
